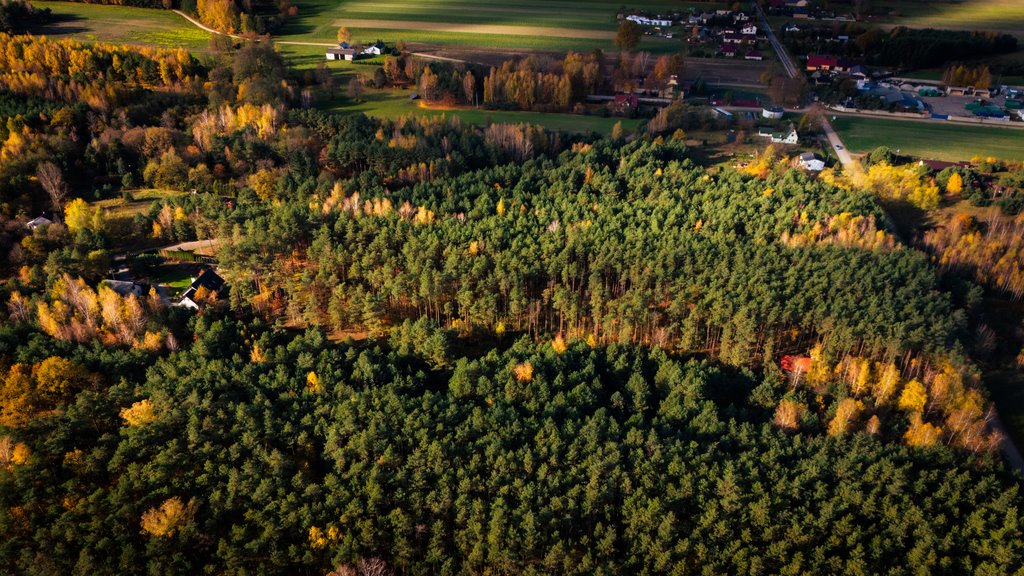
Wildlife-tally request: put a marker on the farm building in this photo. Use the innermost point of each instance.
(645, 21)
(341, 54)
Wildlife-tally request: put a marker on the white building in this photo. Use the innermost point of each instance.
(772, 112)
(341, 54)
(810, 162)
(645, 21)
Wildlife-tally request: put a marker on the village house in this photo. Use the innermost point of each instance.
(734, 38)
(788, 136)
(625, 103)
(207, 286)
(127, 288)
(373, 50)
(38, 222)
(809, 161)
(816, 62)
(749, 29)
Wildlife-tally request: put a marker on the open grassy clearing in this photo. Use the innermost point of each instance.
(558, 25)
(140, 203)
(930, 140)
(122, 25)
(396, 103)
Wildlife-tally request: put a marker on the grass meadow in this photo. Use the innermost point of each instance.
(556, 25)
(121, 25)
(930, 140)
(396, 103)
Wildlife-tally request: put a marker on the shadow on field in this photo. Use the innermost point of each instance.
(60, 24)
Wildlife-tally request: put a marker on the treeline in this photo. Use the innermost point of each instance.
(266, 454)
(903, 47)
(532, 83)
(102, 75)
(17, 16)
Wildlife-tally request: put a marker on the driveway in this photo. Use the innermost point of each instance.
(837, 145)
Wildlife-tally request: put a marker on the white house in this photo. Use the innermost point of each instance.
(211, 283)
(645, 21)
(788, 137)
(810, 162)
(772, 112)
(374, 50)
(38, 222)
(750, 29)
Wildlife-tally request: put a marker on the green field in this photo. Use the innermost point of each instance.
(396, 103)
(142, 200)
(930, 140)
(994, 15)
(997, 15)
(557, 25)
(122, 25)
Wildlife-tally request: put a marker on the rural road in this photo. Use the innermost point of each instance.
(837, 145)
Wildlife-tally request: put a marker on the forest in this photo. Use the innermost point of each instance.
(457, 349)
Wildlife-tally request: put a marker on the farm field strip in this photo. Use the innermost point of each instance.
(534, 24)
(488, 29)
(930, 140)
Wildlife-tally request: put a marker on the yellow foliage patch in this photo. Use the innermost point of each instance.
(140, 413)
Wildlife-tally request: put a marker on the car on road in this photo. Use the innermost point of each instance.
(838, 147)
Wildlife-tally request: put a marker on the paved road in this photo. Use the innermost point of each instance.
(837, 145)
(787, 62)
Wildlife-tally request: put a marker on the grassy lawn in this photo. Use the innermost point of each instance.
(140, 203)
(930, 140)
(556, 25)
(396, 103)
(122, 25)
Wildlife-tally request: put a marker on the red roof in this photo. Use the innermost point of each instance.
(628, 100)
(815, 61)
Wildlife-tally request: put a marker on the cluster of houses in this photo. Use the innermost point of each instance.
(730, 33)
(346, 51)
(805, 9)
